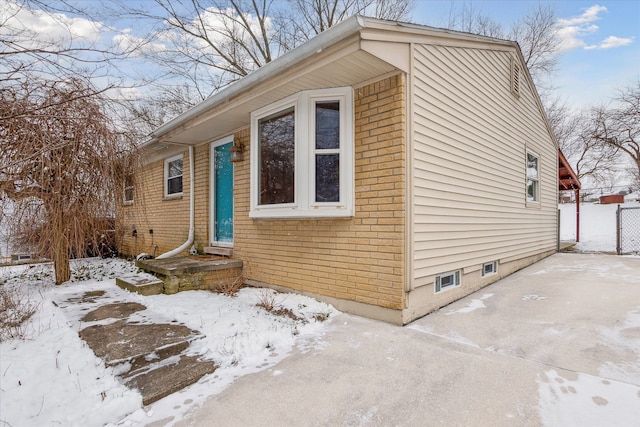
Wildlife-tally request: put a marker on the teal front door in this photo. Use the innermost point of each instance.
(222, 197)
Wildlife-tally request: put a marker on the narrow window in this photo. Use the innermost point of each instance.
(276, 143)
(128, 191)
(327, 151)
(533, 177)
(489, 268)
(447, 280)
(173, 176)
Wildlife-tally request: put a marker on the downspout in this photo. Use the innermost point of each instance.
(192, 192)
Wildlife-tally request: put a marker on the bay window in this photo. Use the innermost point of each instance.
(302, 161)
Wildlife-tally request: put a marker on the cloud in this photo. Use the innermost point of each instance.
(572, 31)
(611, 42)
(36, 27)
(590, 14)
(571, 36)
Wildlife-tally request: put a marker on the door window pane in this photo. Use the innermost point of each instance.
(276, 139)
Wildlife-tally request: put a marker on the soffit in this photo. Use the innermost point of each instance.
(347, 65)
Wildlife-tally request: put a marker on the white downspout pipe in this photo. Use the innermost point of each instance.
(192, 192)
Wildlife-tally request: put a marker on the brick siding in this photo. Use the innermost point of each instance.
(359, 259)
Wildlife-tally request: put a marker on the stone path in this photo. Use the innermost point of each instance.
(150, 357)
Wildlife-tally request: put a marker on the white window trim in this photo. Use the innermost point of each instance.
(166, 176)
(304, 183)
(494, 265)
(535, 202)
(457, 274)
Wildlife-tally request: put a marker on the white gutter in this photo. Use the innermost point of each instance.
(192, 193)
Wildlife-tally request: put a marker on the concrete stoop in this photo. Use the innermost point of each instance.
(172, 275)
(151, 357)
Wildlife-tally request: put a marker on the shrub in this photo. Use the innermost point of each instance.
(15, 311)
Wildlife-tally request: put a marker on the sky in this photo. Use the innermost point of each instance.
(600, 39)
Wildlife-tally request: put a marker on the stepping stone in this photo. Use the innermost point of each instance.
(118, 310)
(167, 378)
(121, 341)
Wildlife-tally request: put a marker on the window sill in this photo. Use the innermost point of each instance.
(532, 205)
(284, 213)
(172, 197)
(127, 203)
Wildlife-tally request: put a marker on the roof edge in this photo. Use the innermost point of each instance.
(315, 45)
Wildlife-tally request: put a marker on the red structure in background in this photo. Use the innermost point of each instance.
(568, 180)
(614, 198)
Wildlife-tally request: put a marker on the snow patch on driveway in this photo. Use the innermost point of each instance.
(586, 400)
(472, 306)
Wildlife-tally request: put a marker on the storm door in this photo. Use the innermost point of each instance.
(221, 223)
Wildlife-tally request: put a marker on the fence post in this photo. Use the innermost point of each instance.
(618, 231)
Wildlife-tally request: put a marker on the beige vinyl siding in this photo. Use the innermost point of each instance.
(470, 138)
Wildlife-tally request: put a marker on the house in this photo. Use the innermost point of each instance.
(386, 168)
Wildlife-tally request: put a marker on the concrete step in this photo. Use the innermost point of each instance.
(142, 283)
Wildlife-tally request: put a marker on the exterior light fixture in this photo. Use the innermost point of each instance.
(236, 151)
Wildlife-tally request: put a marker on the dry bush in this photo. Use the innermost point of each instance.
(228, 285)
(268, 302)
(15, 311)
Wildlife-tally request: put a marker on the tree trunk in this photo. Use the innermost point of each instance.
(61, 260)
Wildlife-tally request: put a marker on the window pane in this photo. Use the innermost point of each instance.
(276, 139)
(532, 190)
(174, 185)
(532, 166)
(128, 194)
(328, 178)
(327, 125)
(175, 168)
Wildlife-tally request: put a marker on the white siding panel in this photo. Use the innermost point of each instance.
(470, 138)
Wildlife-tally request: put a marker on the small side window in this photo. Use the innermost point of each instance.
(173, 176)
(128, 190)
(533, 177)
(447, 280)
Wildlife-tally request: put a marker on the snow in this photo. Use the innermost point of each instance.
(570, 402)
(53, 378)
(597, 225)
(472, 306)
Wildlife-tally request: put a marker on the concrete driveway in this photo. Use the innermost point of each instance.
(557, 344)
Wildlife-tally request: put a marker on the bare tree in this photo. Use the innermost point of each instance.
(57, 166)
(536, 35)
(208, 44)
(471, 20)
(618, 127)
(307, 18)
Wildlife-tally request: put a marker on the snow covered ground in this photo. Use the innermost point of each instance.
(53, 378)
(597, 225)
